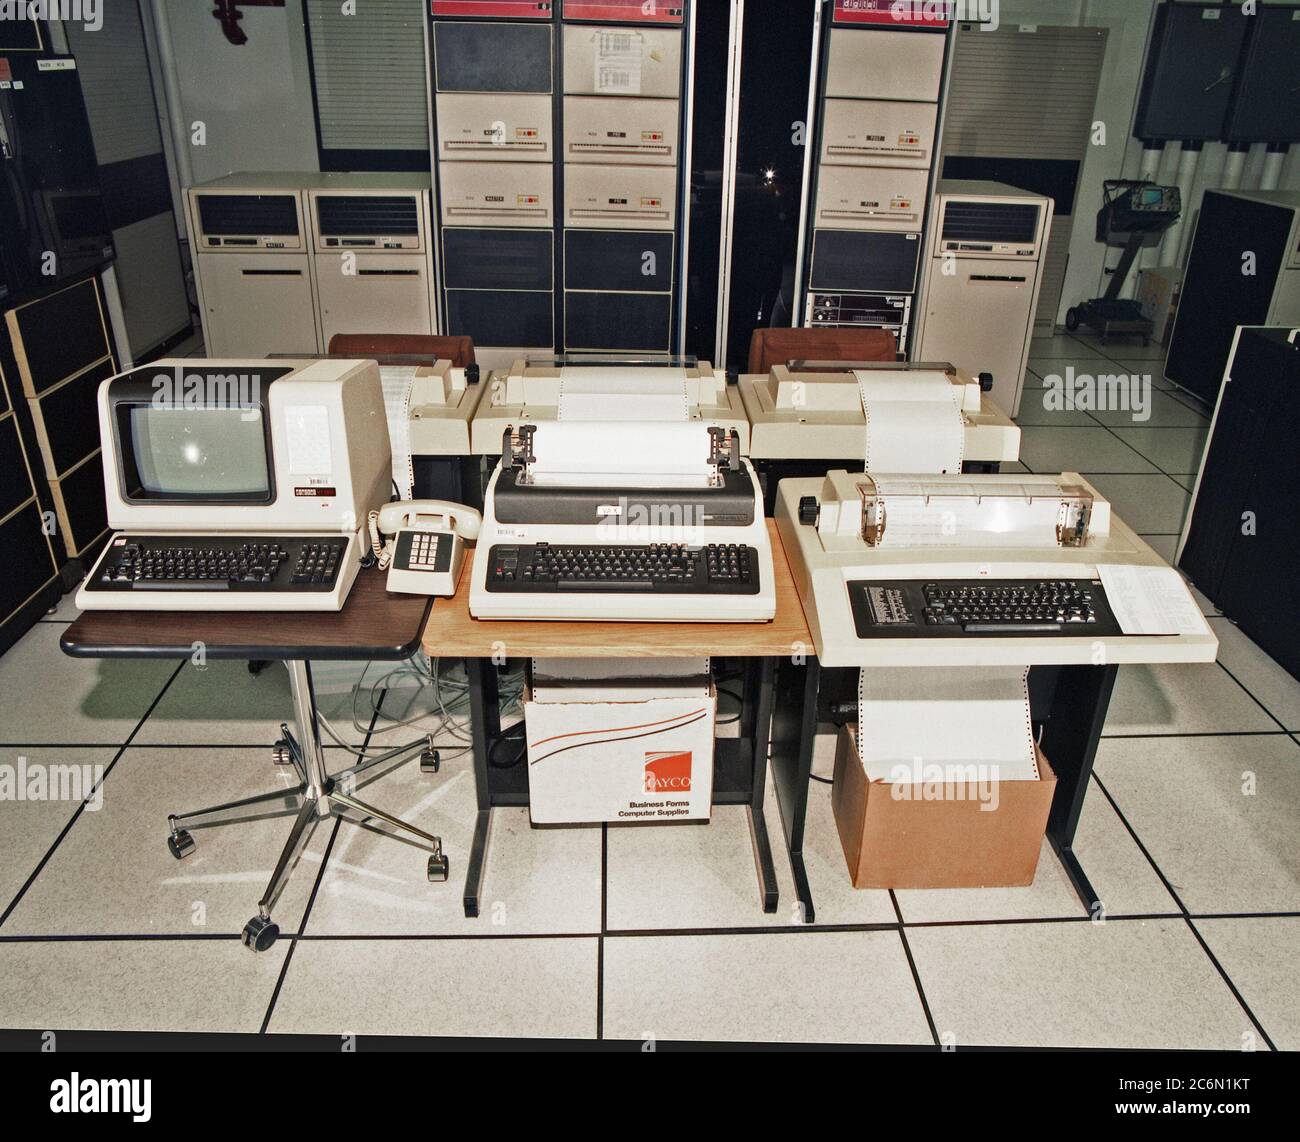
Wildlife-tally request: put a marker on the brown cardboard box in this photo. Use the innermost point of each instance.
(892, 842)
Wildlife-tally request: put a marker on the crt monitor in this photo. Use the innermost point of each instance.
(244, 446)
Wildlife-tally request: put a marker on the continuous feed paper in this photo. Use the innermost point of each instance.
(914, 421)
(913, 717)
(396, 381)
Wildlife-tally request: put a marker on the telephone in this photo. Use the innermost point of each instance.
(425, 554)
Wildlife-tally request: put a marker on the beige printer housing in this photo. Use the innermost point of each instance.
(530, 391)
(819, 416)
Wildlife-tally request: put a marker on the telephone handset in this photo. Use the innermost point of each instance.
(427, 547)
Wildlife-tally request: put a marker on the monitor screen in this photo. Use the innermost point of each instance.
(207, 453)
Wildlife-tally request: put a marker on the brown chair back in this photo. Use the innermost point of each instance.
(768, 347)
(459, 350)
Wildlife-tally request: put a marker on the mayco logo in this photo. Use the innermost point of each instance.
(668, 772)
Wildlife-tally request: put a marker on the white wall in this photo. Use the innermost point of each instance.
(255, 99)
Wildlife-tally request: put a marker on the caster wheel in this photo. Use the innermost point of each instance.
(438, 868)
(181, 844)
(260, 934)
(430, 761)
(257, 665)
(281, 754)
(1072, 319)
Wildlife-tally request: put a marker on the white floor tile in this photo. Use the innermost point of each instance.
(137, 985)
(688, 875)
(113, 874)
(1123, 983)
(1173, 450)
(539, 988)
(1150, 505)
(1163, 545)
(1181, 698)
(1122, 347)
(543, 880)
(1083, 450)
(1262, 958)
(800, 987)
(1163, 412)
(1267, 682)
(30, 827)
(49, 697)
(1219, 815)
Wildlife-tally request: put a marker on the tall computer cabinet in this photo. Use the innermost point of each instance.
(1243, 269)
(559, 174)
(1239, 546)
(880, 78)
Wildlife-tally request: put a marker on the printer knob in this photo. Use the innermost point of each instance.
(472, 373)
(808, 508)
(733, 375)
(986, 382)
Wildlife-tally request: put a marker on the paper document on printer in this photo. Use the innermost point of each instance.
(1150, 600)
(396, 381)
(914, 422)
(650, 455)
(610, 394)
(911, 718)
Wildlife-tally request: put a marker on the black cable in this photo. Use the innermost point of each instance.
(823, 780)
(519, 753)
(735, 717)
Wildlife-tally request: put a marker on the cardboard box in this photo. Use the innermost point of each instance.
(1158, 290)
(981, 835)
(619, 741)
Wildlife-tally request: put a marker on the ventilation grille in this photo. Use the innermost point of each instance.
(252, 215)
(371, 80)
(368, 214)
(989, 222)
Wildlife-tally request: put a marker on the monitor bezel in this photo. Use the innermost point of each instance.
(136, 390)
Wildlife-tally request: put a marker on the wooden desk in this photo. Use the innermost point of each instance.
(740, 763)
(372, 624)
(452, 633)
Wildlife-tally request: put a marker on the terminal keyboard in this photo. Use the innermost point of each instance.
(261, 563)
(974, 607)
(656, 568)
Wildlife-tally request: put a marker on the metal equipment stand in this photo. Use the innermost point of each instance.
(317, 796)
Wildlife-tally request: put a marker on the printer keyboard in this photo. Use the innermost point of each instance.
(1006, 607)
(658, 568)
(220, 563)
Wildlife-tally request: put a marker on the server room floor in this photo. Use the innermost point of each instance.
(638, 933)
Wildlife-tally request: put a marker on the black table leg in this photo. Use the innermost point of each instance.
(755, 723)
(1069, 741)
(794, 727)
(485, 728)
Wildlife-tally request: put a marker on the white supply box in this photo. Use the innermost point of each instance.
(619, 740)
